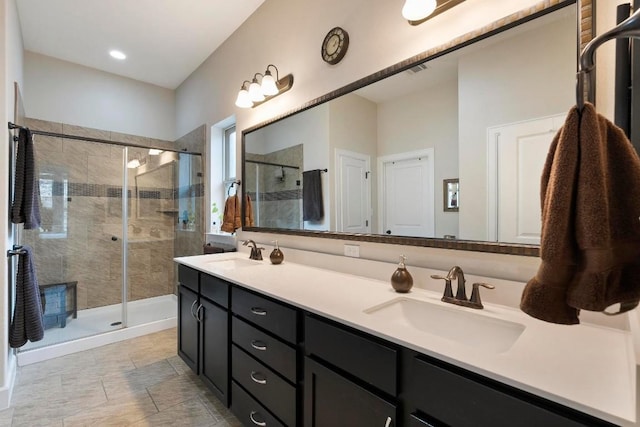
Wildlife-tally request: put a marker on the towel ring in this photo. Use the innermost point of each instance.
(234, 183)
(629, 28)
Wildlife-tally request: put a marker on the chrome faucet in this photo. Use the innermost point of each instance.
(461, 292)
(256, 252)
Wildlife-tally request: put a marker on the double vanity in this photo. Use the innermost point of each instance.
(293, 344)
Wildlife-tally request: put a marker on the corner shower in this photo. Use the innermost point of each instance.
(114, 214)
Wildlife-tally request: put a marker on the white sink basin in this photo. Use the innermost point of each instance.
(461, 326)
(232, 264)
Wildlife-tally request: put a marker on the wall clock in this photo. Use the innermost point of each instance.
(334, 45)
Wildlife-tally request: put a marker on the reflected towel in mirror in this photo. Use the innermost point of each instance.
(312, 204)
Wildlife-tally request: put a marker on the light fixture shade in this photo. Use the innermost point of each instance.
(244, 100)
(255, 92)
(415, 10)
(154, 151)
(268, 86)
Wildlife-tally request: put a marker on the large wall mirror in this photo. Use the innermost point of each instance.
(374, 160)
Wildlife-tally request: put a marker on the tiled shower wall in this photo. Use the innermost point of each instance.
(279, 200)
(88, 249)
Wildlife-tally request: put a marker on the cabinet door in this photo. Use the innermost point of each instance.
(214, 349)
(187, 327)
(333, 401)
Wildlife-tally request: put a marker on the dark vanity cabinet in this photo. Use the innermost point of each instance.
(438, 394)
(188, 329)
(264, 366)
(349, 379)
(203, 328)
(276, 365)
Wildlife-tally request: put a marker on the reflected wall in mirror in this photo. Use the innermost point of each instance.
(485, 112)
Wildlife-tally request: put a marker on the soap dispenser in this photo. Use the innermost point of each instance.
(276, 255)
(401, 279)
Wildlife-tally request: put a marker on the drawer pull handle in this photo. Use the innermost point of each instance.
(258, 380)
(253, 420)
(388, 423)
(258, 345)
(193, 305)
(259, 311)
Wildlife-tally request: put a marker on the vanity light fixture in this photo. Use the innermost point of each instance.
(155, 151)
(244, 100)
(255, 91)
(419, 11)
(268, 87)
(415, 10)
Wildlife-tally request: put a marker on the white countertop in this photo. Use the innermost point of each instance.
(586, 367)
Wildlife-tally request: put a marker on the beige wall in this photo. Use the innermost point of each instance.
(60, 91)
(11, 70)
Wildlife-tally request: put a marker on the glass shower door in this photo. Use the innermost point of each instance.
(78, 247)
(165, 221)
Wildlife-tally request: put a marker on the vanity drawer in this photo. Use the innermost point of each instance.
(248, 410)
(267, 314)
(437, 391)
(215, 289)
(188, 277)
(361, 356)
(270, 351)
(265, 385)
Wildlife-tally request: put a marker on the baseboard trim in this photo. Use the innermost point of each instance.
(7, 390)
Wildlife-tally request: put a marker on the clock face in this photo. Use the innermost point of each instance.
(334, 45)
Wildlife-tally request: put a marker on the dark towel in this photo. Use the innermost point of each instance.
(590, 244)
(27, 323)
(231, 218)
(26, 197)
(312, 206)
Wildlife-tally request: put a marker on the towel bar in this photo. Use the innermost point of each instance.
(17, 250)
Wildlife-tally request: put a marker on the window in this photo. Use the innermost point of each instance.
(229, 154)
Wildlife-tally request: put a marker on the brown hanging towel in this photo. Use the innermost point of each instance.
(590, 243)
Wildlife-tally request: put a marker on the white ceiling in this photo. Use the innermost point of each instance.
(164, 40)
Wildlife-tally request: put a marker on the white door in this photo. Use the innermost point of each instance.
(517, 153)
(407, 194)
(353, 191)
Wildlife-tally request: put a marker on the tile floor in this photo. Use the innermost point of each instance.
(138, 382)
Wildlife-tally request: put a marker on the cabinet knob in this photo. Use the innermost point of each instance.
(258, 345)
(253, 420)
(193, 305)
(257, 380)
(259, 311)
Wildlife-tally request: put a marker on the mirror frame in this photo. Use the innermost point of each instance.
(585, 28)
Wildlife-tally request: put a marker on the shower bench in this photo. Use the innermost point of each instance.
(54, 297)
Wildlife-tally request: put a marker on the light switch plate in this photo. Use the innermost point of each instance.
(352, 251)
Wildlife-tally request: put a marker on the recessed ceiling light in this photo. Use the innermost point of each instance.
(117, 54)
